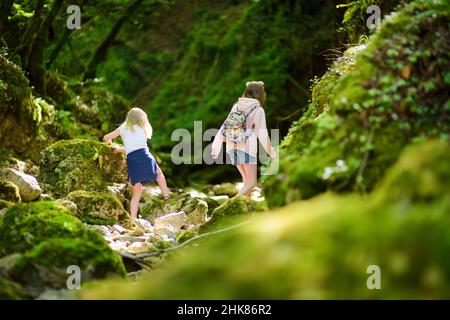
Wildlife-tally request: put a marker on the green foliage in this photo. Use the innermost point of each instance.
(355, 16)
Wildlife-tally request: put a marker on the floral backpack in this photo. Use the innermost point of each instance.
(234, 127)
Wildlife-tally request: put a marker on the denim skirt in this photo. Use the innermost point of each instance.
(240, 157)
(142, 167)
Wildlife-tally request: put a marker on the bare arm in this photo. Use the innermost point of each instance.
(111, 136)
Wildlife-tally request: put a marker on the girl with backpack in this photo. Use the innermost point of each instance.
(245, 124)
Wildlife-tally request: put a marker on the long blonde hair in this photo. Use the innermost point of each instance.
(137, 117)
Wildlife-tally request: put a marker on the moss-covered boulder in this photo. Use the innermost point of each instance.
(323, 248)
(46, 265)
(19, 115)
(233, 211)
(372, 102)
(196, 209)
(98, 208)
(71, 165)
(9, 191)
(24, 226)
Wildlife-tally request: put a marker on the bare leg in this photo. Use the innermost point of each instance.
(161, 180)
(134, 206)
(241, 169)
(251, 171)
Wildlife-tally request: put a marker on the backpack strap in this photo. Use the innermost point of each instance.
(251, 110)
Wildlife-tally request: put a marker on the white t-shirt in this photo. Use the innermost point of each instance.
(133, 141)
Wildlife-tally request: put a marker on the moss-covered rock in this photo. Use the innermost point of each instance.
(9, 191)
(98, 208)
(196, 209)
(10, 290)
(368, 106)
(185, 235)
(225, 189)
(47, 263)
(322, 248)
(19, 115)
(71, 165)
(29, 188)
(233, 211)
(24, 226)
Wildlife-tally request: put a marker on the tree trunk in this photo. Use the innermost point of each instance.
(102, 50)
(35, 54)
(5, 11)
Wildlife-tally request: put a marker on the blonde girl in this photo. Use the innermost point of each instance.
(244, 154)
(142, 166)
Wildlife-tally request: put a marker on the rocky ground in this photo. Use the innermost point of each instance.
(79, 193)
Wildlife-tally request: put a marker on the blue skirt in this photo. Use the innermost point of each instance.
(142, 166)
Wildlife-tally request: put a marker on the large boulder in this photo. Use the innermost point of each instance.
(376, 99)
(71, 165)
(195, 209)
(28, 186)
(9, 191)
(98, 208)
(19, 114)
(329, 247)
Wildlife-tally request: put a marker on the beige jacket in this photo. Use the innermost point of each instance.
(256, 123)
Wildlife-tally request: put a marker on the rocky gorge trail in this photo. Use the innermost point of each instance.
(363, 176)
(81, 194)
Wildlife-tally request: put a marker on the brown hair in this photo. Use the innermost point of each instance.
(255, 90)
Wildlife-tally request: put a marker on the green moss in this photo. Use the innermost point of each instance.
(196, 209)
(5, 204)
(54, 256)
(98, 208)
(70, 165)
(367, 107)
(9, 191)
(18, 112)
(10, 290)
(26, 225)
(321, 248)
(419, 176)
(185, 236)
(233, 211)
